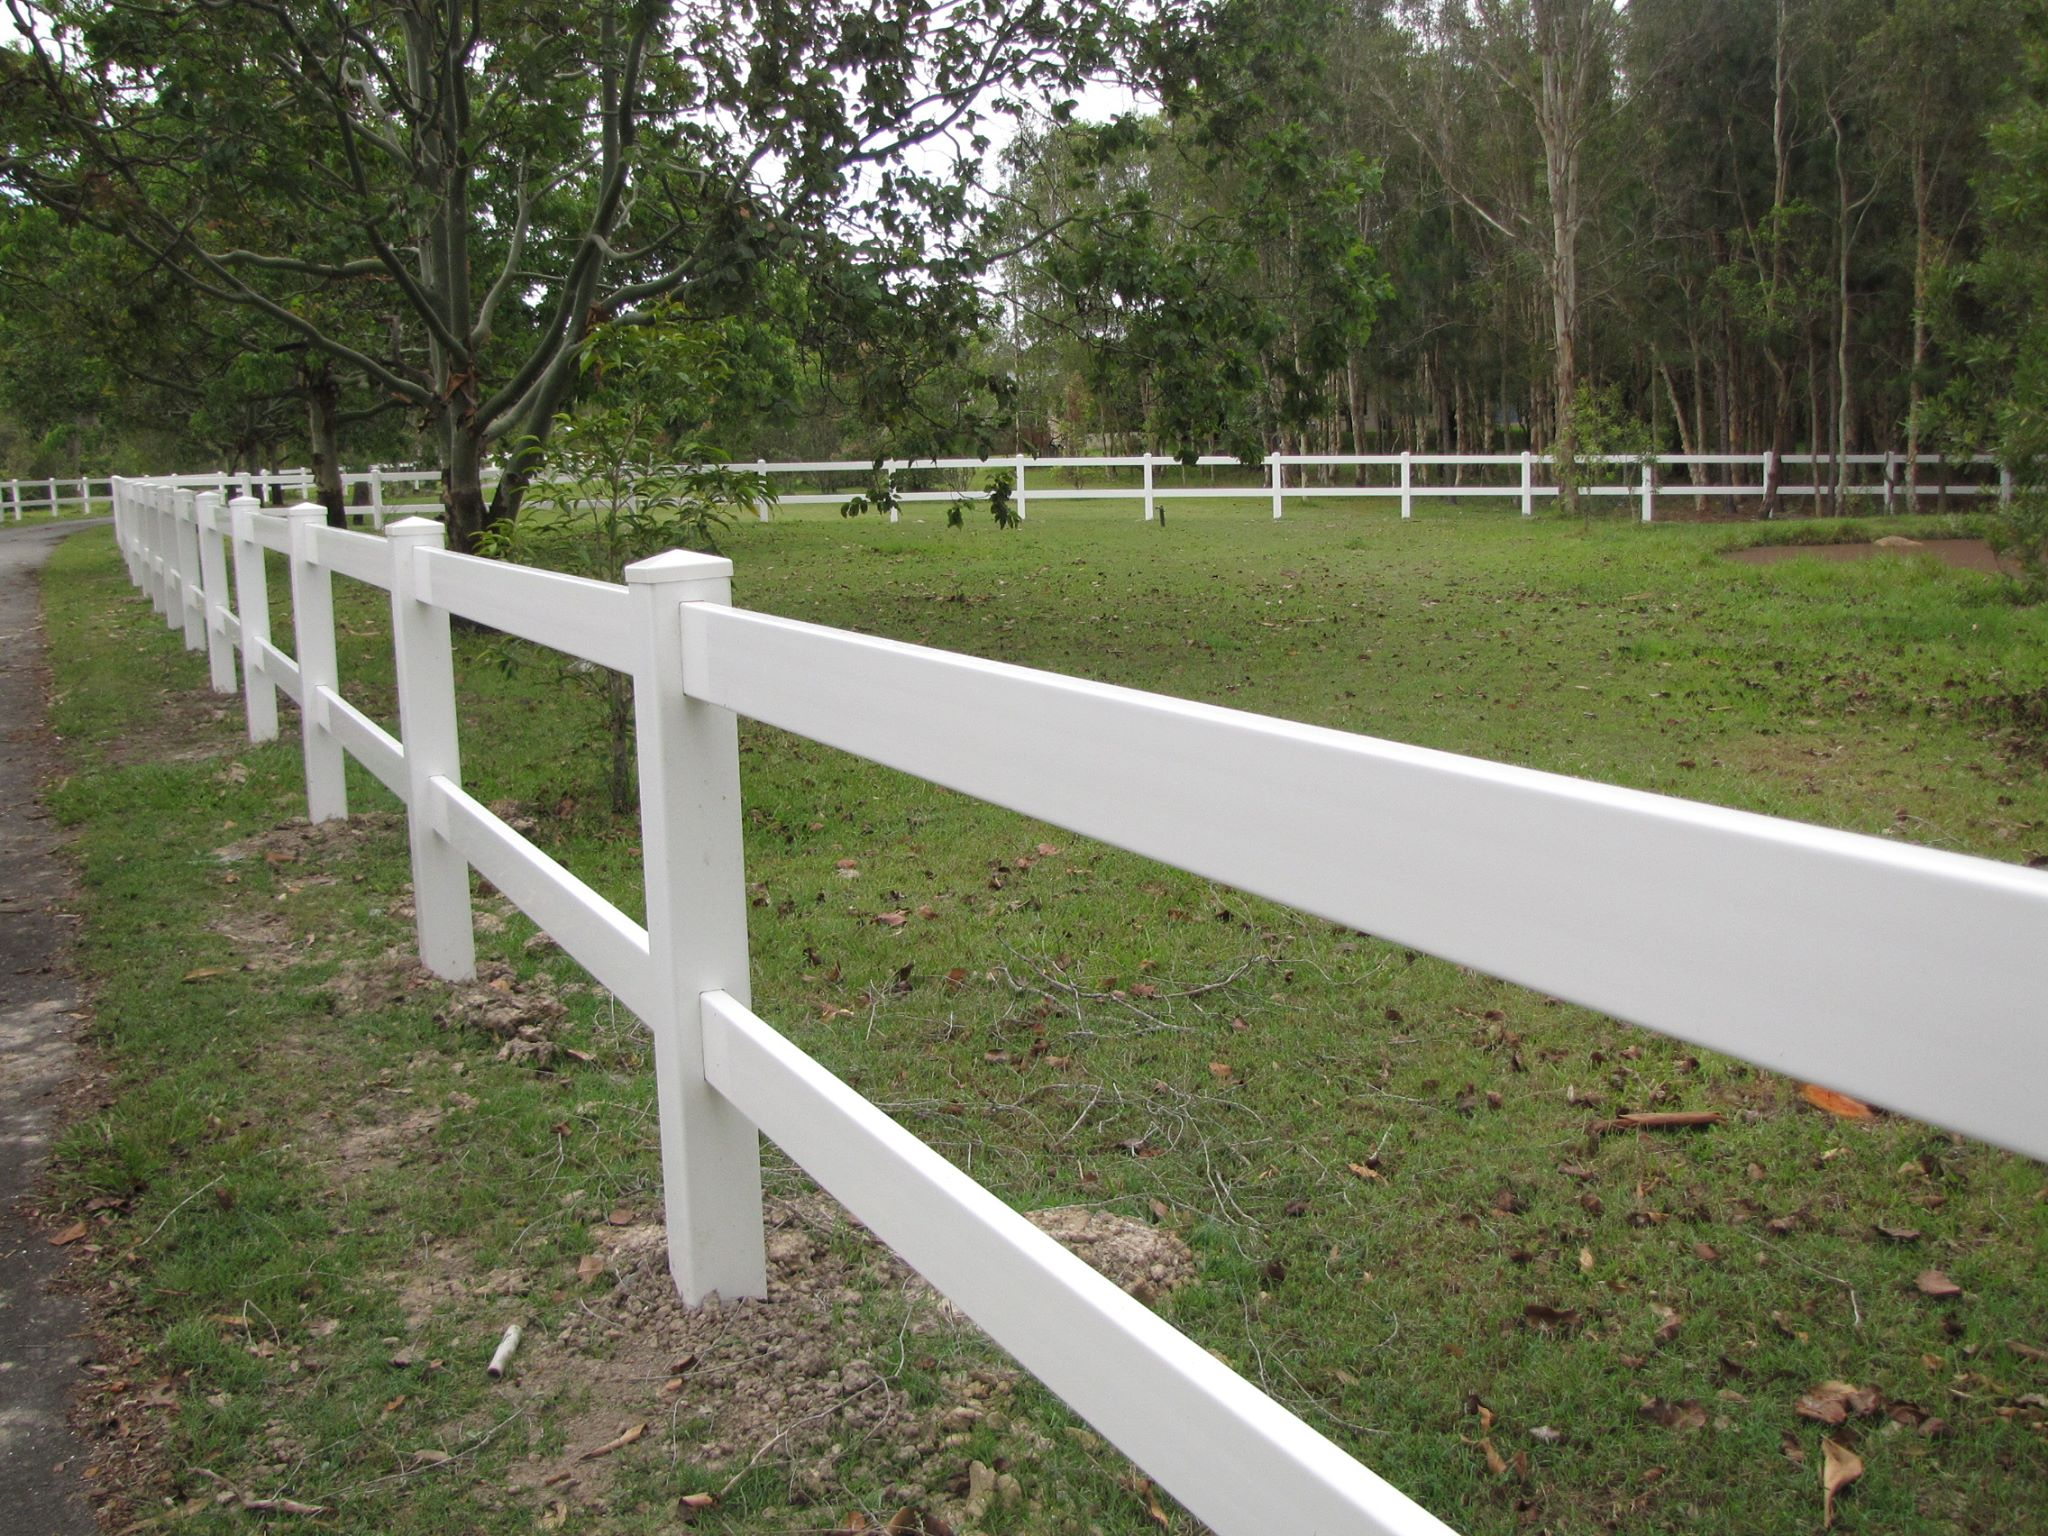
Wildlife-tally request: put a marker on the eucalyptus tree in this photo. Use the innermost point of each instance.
(446, 198)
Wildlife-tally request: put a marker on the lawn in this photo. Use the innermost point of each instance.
(324, 1182)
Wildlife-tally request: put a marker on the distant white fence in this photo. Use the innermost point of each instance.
(1910, 976)
(379, 493)
(1525, 478)
(20, 499)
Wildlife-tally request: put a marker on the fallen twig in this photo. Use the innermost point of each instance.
(618, 1442)
(1657, 1120)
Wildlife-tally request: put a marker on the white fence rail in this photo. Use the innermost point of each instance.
(380, 493)
(1926, 992)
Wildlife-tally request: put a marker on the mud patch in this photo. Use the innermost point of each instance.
(1959, 554)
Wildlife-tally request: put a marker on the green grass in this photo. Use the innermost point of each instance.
(1884, 697)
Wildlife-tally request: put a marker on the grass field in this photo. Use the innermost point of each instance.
(321, 1191)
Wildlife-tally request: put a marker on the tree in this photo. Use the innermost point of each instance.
(446, 199)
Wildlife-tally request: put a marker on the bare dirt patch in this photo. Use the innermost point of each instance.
(1960, 554)
(188, 725)
(835, 1381)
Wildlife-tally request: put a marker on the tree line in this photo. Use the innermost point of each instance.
(1749, 225)
(328, 230)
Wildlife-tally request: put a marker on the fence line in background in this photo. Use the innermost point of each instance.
(379, 493)
(1774, 940)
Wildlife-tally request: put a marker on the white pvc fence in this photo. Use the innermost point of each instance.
(49, 498)
(1907, 975)
(1406, 476)
(380, 492)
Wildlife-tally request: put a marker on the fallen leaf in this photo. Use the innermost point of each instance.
(1363, 1171)
(589, 1267)
(1839, 1468)
(70, 1234)
(2027, 1351)
(1668, 1323)
(204, 972)
(415, 1460)
(1586, 1260)
(1494, 1463)
(1932, 1282)
(1838, 1104)
(1152, 1507)
(1220, 1070)
(1544, 1318)
(1706, 1253)
(1685, 1416)
(620, 1218)
(1547, 1435)
(894, 919)
(1896, 1234)
(697, 1500)
(618, 1442)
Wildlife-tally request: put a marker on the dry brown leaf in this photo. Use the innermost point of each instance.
(1494, 1462)
(1685, 1416)
(430, 1457)
(70, 1234)
(1839, 1468)
(1668, 1321)
(589, 1267)
(1896, 1234)
(1586, 1260)
(1220, 1070)
(205, 973)
(1838, 1104)
(1152, 1506)
(618, 1442)
(1363, 1171)
(1932, 1282)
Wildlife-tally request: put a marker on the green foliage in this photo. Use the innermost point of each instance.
(2011, 356)
(1002, 498)
(1596, 437)
(881, 497)
(621, 479)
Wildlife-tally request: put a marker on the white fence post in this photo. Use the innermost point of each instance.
(696, 933)
(427, 723)
(1528, 483)
(1649, 489)
(252, 609)
(1148, 486)
(1772, 471)
(377, 496)
(2005, 485)
(213, 588)
(761, 506)
(1279, 486)
(191, 588)
(13, 498)
(148, 543)
(1407, 483)
(52, 509)
(1020, 487)
(313, 649)
(1891, 471)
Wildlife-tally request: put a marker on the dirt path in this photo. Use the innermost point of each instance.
(41, 1491)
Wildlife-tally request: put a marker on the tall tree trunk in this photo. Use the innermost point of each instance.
(323, 434)
(1923, 196)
